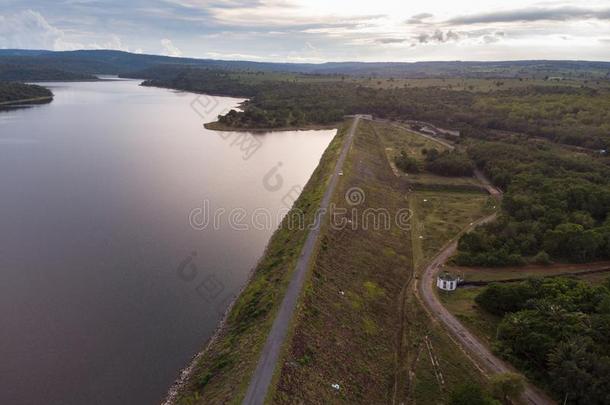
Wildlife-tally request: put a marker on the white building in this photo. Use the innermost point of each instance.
(447, 281)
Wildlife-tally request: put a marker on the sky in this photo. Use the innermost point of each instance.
(315, 30)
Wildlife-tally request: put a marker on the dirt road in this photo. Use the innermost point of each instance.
(261, 379)
(485, 359)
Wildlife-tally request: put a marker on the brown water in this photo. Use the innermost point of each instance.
(102, 299)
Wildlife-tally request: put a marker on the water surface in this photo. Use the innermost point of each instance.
(96, 191)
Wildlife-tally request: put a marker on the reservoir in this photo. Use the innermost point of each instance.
(120, 248)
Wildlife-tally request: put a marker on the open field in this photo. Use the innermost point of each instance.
(439, 216)
(222, 372)
(461, 304)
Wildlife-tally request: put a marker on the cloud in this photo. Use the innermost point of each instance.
(390, 40)
(114, 42)
(437, 36)
(418, 18)
(30, 30)
(533, 14)
(169, 49)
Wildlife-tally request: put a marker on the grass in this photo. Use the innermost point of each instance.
(461, 304)
(439, 216)
(347, 321)
(397, 139)
(222, 373)
(352, 315)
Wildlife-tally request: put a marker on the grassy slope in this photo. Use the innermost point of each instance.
(352, 339)
(348, 339)
(223, 372)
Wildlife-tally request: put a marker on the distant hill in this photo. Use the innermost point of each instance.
(33, 73)
(117, 62)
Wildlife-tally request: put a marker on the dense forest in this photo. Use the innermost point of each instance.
(575, 116)
(555, 208)
(17, 91)
(20, 73)
(557, 331)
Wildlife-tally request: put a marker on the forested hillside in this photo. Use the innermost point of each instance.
(17, 91)
(21, 73)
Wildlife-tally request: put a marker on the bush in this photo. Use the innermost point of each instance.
(542, 258)
(406, 163)
(500, 299)
(449, 163)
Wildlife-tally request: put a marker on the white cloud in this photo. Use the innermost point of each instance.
(114, 42)
(30, 30)
(169, 49)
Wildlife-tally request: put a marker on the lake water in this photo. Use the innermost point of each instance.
(109, 283)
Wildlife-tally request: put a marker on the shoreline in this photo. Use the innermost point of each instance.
(26, 100)
(187, 372)
(217, 126)
(181, 385)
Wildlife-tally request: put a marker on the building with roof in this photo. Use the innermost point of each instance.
(447, 281)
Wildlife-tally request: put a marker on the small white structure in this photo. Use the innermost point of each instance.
(447, 281)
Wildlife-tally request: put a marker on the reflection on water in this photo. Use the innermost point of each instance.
(106, 290)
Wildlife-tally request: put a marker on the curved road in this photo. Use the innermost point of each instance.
(261, 379)
(467, 340)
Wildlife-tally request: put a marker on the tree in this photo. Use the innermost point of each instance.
(507, 386)
(406, 163)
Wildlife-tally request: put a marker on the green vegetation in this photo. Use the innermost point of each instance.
(449, 163)
(223, 372)
(577, 116)
(556, 330)
(14, 92)
(407, 163)
(471, 394)
(439, 216)
(555, 208)
(20, 73)
(347, 322)
(507, 387)
(359, 299)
